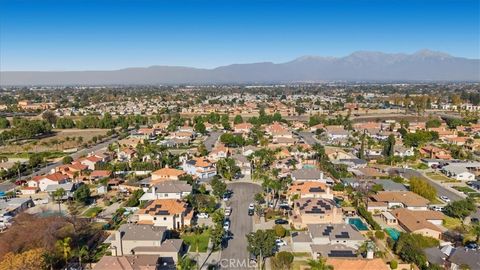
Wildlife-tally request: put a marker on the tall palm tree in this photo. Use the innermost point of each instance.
(58, 196)
(185, 263)
(64, 246)
(83, 253)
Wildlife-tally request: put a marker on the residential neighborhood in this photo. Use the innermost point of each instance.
(266, 180)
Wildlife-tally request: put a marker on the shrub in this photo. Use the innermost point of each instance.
(280, 230)
(380, 235)
(368, 217)
(393, 264)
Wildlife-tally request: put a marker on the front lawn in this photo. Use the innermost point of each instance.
(92, 212)
(440, 177)
(451, 223)
(464, 189)
(193, 240)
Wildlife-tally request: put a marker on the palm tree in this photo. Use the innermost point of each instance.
(58, 196)
(49, 259)
(83, 253)
(64, 246)
(319, 264)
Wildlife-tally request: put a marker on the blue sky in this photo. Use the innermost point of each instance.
(99, 35)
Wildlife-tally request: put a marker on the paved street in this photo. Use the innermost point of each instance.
(46, 170)
(212, 139)
(441, 190)
(241, 224)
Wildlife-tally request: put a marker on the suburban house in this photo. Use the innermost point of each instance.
(130, 262)
(167, 190)
(171, 213)
(42, 181)
(309, 189)
(384, 200)
(402, 151)
(312, 211)
(435, 152)
(421, 222)
(68, 187)
(89, 161)
(12, 206)
(458, 172)
(328, 240)
(218, 152)
(307, 174)
(100, 174)
(137, 239)
(242, 128)
(126, 154)
(202, 168)
(166, 174)
(357, 264)
(243, 163)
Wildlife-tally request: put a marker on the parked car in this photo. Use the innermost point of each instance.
(281, 221)
(445, 199)
(228, 211)
(250, 212)
(202, 215)
(280, 242)
(226, 225)
(251, 206)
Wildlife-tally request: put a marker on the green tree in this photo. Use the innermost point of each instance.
(433, 123)
(283, 260)
(219, 187)
(202, 150)
(261, 244)
(67, 160)
(50, 117)
(389, 146)
(227, 168)
(63, 245)
(422, 188)
(460, 209)
(82, 194)
(238, 119)
(319, 264)
(200, 128)
(279, 231)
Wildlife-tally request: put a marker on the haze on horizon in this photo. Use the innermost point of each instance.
(112, 35)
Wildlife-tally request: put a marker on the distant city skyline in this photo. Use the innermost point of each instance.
(109, 35)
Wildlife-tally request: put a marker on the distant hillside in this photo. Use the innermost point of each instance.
(423, 65)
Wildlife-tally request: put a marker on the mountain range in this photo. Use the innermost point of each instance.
(365, 66)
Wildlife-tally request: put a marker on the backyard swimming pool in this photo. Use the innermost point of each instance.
(358, 223)
(394, 233)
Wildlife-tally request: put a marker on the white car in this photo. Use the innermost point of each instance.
(226, 225)
(445, 199)
(202, 215)
(280, 242)
(251, 206)
(228, 211)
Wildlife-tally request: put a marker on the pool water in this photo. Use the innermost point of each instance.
(308, 166)
(394, 233)
(358, 223)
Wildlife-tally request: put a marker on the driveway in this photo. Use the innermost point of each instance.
(212, 139)
(236, 256)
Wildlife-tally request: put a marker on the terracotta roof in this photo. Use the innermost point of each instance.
(408, 198)
(305, 187)
(100, 173)
(164, 207)
(417, 220)
(170, 172)
(358, 264)
(53, 177)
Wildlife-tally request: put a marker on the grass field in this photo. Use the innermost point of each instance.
(201, 240)
(61, 139)
(464, 189)
(439, 177)
(92, 212)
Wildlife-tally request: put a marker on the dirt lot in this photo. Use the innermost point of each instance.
(62, 139)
